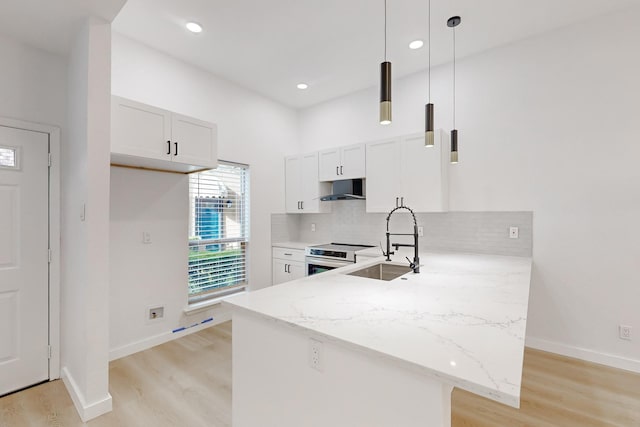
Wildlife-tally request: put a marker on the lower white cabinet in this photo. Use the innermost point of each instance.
(288, 264)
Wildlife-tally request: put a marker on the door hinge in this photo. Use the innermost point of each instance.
(49, 350)
(49, 159)
(49, 255)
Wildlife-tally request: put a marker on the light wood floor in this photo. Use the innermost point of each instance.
(187, 383)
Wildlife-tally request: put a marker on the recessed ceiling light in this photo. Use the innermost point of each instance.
(194, 27)
(416, 44)
(302, 86)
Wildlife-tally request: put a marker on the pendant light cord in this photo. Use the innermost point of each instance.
(429, 43)
(454, 77)
(385, 30)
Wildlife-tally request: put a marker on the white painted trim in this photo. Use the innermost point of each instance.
(86, 411)
(54, 235)
(147, 343)
(611, 360)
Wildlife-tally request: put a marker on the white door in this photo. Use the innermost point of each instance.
(310, 187)
(296, 270)
(329, 165)
(24, 266)
(353, 162)
(140, 130)
(383, 175)
(293, 186)
(280, 271)
(193, 142)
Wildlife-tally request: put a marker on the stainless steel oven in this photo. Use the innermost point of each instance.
(323, 258)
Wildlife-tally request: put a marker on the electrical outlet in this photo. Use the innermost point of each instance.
(146, 237)
(420, 231)
(624, 332)
(313, 228)
(156, 313)
(315, 354)
(514, 232)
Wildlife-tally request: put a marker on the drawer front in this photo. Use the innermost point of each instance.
(288, 254)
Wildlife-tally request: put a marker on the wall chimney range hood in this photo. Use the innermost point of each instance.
(346, 189)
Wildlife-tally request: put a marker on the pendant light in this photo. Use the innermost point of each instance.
(428, 121)
(452, 23)
(385, 80)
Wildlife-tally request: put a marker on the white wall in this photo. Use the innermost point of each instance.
(548, 124)
(33, 84)
(85, 242)
(251, 130)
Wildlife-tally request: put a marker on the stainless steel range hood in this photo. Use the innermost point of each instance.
(347, 189)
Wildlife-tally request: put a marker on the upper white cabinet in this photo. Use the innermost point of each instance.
(403, 171)
(149, 137)
(342, 163)
(302, 187)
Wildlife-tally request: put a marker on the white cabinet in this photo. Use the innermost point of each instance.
(288, 264)
(342, 163)
(403, 171)
(149, 137)
(302, 188)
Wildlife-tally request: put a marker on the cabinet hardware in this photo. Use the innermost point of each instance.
(397, 198)
(337, 168)
(302, 205)
(168, 147)
(288, 254)
(176, 148)
(341, 171)
(401, 201)
(286, 268)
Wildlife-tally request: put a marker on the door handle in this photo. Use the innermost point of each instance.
(286, 268)
(302, 205)
(176, 144)
(168, 147)
(337, 167)
(341, 171)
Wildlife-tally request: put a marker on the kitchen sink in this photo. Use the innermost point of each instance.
(382, 271)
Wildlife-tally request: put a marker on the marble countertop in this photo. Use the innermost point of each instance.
(293, 245)
(461, 320)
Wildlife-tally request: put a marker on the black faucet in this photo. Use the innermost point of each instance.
(415, 264)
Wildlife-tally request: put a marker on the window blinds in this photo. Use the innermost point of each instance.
(218, 230)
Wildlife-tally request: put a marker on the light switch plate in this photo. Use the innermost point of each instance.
(514, 232)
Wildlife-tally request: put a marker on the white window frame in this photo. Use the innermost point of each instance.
(196, 299)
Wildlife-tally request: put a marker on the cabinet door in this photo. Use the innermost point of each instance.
(293, 186)
(280, 274)
(421, 171)
(329, 165)
(353, 164)
(139, 130)
(310, 184)
(383, 175)
(296, 270)
(193, 142)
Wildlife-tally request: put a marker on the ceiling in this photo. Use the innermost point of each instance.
(52, 24)
(271, 45)
(334, 45)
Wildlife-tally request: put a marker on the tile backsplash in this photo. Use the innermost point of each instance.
(476, 232)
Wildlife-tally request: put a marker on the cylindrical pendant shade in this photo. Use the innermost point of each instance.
(454, 146)
(385, 93)
(428, 126)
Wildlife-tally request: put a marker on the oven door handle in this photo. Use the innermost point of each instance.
(323, 262)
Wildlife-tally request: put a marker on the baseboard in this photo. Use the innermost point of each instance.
(147, 343)
(611, 360)
(86, 411)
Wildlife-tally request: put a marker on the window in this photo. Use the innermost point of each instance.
(218, 231)
(8, 157)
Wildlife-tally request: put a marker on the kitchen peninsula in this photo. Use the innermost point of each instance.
(342, 350)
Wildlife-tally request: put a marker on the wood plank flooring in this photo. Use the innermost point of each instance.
(187, 383)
